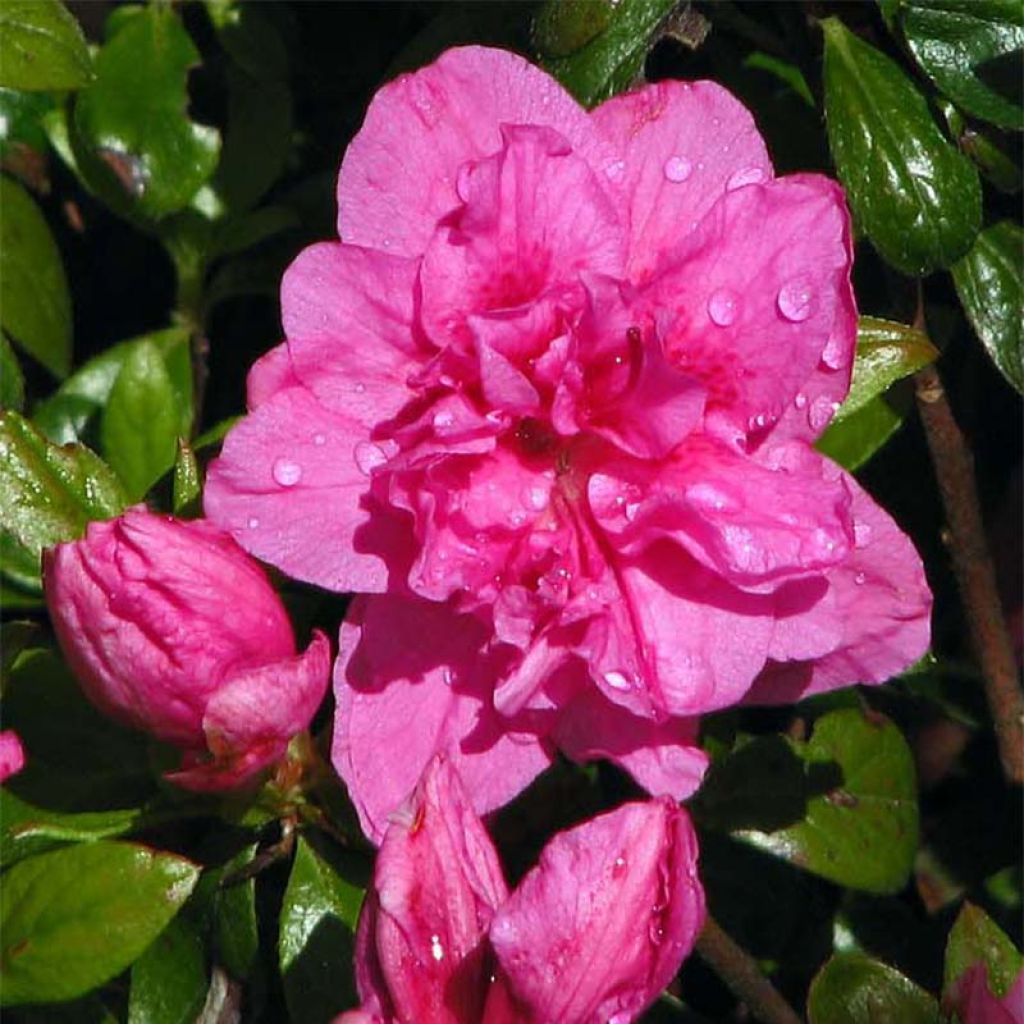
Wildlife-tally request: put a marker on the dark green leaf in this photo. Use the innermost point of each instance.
(64, 416)
(990, 283)
(35, 306)
(49, 494)
(886, 352)
(169, 980)
(236, 926)
(318, 919)
(855, 989)
(862, 832)
(916, 196)
(134, 117)
(50, 907)
(188, 482)
(610, 59)
(862, 433)
(784, 71)
(976, 938)
(958, 41)
(41, 46)
(1000, 169)
(21, 115)
(12, 381)
(140, 424)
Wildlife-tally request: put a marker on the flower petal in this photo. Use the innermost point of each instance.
(600, 926)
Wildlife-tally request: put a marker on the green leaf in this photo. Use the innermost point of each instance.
(960, 43)
(51, 905)
(41, 47)
(976, 938)
(861, 434)
(612, 39)
(236, 925)
(188, 483)
(914, 194)
(134, 117)
(862, 832)
(66, 414)
(784, 71)
(35, 306)
(140, 423)
(49, 494)
(990, 283)
(855, 989)
(318, 919)
(21, 127)
(886, 352)
(12, 380)
(169, 980)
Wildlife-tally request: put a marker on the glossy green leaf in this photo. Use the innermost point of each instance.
(784, 71)
(140, 424)
(21, 116)
(859, 435)
(66, 414)
(914, 194)
(961, 45)
(134, 117)
(855, 989)
(886, 352)
(12, 380)
(990, 283)
(188, 483)
(318, 919)
(1002, 170)
(41, 47)
(51, 906)
(49, 494)
(168, 982)
(236, 925)
(861, 832)
(976, 938)
(35, 305)
(610, 58)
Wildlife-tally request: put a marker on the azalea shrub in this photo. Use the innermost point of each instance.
(510, 512)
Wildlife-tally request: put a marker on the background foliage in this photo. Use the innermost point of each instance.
(162, 164)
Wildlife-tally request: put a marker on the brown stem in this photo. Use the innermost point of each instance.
(972, 566)
(740, 972)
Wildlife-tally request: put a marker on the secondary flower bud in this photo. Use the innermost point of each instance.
(12, 756)
(171, 628)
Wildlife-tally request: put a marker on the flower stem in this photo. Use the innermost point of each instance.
(740, 972)
(972, 566)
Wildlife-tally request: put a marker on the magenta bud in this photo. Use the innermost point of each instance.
(172, 629)
(12, 755)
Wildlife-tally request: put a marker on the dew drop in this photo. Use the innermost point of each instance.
(286, 473)
(619, 866)
(860, 579)
(615, 170)
(447, 676)
(834, 355)
(861, 535)
(443, 420)
(319, 440)
(436, 949)
(820, 412)
(359, 388)
(796, 300)
(746, 176)
(631, 510)
(618, 681)
(252, 522)
(368, 457)
(677, 169)
(722, 307)
(535, 498)
(800, 401)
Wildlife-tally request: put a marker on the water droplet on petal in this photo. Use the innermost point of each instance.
(359, 387)
(615, 170)
(860, 579)
(618, 681)
(800, 401)
(252, 522)
(820, 412)
(722, 307)
(447, 676)
(746, 176)
(368, 456)
(796, 300)
(286, 473)
(677, 169)
(436, 949)
(535, 497)
(319, 440)
(861, 534)
(443, 420)
(619, 866)
(631, 510)
(834, 355)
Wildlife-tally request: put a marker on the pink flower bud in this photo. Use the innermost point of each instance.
(12, 756)
(973, 1001)
(171, 628)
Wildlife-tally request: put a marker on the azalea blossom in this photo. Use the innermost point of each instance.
(173, 629)
(591, 935)
(548, 409)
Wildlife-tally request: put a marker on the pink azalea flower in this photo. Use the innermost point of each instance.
(973, 1002)
(172, 628)
(548, 407)
(591, 935)
(12, 754)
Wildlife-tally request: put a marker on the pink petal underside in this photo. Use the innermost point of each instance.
(882, 604)
(291, 486)
(413, 680)
(270, 374)
(680, 146)
(438, 883)
(747, 302)
(756, 522)
(12, 754)
(600, 926)
(975, 1003)
(398, 176)
(535, 216)
(663, 757)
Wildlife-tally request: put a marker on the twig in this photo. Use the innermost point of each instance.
(740, 972)
(972, 565)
